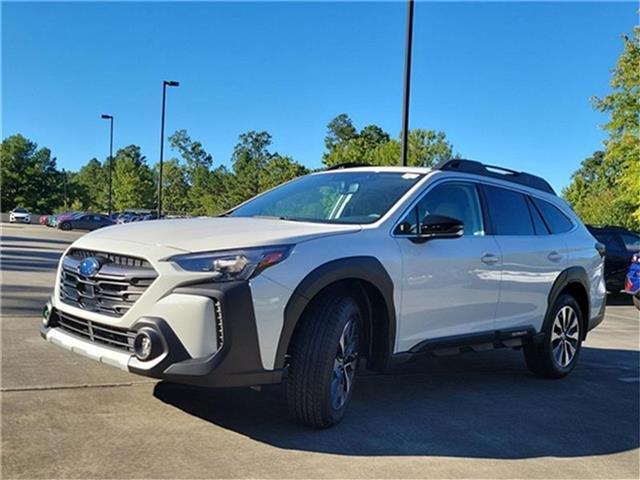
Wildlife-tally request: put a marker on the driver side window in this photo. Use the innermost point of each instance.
(457, 200)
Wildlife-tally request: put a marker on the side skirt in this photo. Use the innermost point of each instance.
(476, 342)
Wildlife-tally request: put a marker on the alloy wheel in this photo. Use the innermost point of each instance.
(565, 336)
(344, 365)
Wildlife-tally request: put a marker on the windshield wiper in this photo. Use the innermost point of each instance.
(276, 217)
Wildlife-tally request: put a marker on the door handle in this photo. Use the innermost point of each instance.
(489, 258)
(554, 256)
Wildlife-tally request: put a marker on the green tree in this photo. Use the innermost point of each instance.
(175, 188)
(623, 105)
(606, 187)
(91, 187)
(29, 177)
(206, 188)
(373, 146)
(133, 180)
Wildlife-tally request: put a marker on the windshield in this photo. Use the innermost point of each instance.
(20, 210)
(340, 197)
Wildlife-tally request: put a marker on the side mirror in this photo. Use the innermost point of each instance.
(439, 226)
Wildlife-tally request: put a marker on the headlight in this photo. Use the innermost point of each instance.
(232, 265)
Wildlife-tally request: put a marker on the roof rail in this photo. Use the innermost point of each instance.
(478, 168)
(341, 166)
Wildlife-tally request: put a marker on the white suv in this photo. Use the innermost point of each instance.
(369, 266)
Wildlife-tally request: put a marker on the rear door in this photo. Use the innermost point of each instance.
(532, 258)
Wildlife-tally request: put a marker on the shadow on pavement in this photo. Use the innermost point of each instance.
(31, 261)
(619, 299)
(475, 405)
(10, 238)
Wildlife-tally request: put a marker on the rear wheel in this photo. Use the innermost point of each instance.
(636, 300)
(558, 353)
(65, 226)
(324, 360)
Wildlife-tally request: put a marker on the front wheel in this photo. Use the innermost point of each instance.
(558, 353)
(636, 300)
(323, 361)
(65, 226)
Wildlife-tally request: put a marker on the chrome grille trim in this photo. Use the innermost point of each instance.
(114, 337)
(219, 326)
(112, 291)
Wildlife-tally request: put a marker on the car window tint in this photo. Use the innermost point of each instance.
(457, 200)
(538, 223)
(509, 211)
(557, 221)
(631, 242)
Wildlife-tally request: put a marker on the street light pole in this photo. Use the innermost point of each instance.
(110, 118)
(165, 84)
(407, 83)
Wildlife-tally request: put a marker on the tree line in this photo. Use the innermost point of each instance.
(604, 190)
(191, 183)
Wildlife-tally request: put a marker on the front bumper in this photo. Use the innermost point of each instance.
(235, 362)
(20, 219)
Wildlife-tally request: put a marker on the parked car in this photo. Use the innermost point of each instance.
(43, 219)
(370, 266)
(632, 284)
(87, 221)
(621, 245)
(19, 215)
(55, 220)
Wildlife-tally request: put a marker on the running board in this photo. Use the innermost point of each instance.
(477, 342)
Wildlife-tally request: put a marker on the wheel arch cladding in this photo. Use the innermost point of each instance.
(368, 281)
(573, 281)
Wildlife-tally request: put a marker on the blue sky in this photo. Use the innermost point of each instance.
(509, 83)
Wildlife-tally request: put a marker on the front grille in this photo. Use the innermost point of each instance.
(118, 284)
(122, 260)
(114, 337)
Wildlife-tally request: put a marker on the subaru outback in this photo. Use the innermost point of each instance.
(350, 267)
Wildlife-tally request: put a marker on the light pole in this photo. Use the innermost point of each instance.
(110, 118)
(165, 84)
(407, 83)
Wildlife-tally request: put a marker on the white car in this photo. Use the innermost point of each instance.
(369, 266)
(19, 215)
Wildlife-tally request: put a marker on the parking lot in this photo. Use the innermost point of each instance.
(471, 416)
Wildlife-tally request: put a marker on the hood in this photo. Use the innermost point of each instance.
(219, 233)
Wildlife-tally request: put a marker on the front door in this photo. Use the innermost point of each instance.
(449, 286)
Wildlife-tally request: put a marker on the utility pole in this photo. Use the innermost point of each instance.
(407, 83)
(165, 84)
(110, 118)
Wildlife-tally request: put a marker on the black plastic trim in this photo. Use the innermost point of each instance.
(364, 268)
(238, 362)
(496, 337)
(567, 277)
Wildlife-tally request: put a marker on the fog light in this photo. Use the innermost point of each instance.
(46, 314)
(147, 344)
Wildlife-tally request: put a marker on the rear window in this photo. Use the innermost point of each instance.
(557, 221)
(610, 240)
(509, 211)
(632, 242)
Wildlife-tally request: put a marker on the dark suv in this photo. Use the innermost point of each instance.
(621, 245)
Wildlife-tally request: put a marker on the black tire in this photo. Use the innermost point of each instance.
(543, 359)
(313, 389)
(636, 300)
(65, 226)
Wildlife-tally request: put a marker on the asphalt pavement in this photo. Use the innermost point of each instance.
(477, 415)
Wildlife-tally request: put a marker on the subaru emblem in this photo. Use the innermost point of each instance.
(89, 267)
